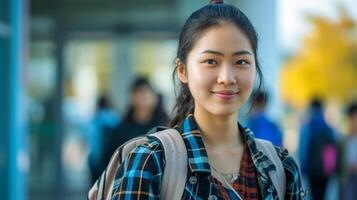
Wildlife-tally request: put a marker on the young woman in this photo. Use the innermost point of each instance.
(216, 65)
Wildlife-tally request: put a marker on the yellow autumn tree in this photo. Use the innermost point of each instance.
(326, 65)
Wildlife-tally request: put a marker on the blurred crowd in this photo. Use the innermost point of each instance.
(324, 154)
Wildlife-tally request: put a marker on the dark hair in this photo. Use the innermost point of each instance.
(210, 15)
(159, 115)
(352, 108)
(261, 98)
(140, 82)
(316, 104)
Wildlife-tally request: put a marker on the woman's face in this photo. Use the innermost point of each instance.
(220, 70)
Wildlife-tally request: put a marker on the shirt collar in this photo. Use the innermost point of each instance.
(197, 155)
(260, 160)
(196, 152)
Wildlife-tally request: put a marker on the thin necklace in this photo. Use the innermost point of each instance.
(229, 177)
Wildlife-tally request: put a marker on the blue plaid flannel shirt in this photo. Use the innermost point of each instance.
(140, 175)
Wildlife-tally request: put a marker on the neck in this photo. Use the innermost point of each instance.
(218, 130)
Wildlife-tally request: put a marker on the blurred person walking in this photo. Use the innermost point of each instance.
(260, 124)
(145, 112)
(317, 150)
(104, 120)
(349, 189)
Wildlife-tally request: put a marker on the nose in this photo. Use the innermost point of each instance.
(227, 75)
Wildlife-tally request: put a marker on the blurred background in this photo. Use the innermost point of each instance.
(58, 59)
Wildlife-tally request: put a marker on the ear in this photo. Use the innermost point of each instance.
(181, 71)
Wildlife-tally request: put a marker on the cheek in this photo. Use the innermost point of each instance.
(198, 78)
(246, 79)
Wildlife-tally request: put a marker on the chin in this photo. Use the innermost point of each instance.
(224, 111)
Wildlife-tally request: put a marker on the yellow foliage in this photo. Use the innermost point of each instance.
(325, 67)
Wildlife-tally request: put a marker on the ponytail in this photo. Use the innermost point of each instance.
(184, 103)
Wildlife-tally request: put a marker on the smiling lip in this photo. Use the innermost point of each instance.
(225, 95)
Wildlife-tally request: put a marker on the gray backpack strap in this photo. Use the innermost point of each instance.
(278, 177)
(102, 189)
(175, 172)
(172, 186)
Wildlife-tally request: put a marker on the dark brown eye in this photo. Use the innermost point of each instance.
(242, 62)
(210, 62)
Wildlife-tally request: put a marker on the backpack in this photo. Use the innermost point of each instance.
(175, 163)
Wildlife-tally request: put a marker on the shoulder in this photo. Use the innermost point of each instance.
(140, 174)
(294, 186)
(270, 156)
(148, 154)
(287, 160)
(147, 157)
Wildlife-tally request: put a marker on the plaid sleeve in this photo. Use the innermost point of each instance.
(139, 176)
(294, 187)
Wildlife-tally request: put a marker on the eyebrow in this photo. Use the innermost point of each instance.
(243, 52)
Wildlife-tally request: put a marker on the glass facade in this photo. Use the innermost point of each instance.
(4, 62)
(13, 153)
(4, 11)
(41, 116)
(4, 146)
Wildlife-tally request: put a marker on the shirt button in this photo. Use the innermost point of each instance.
(212, 197)
(193, 180)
